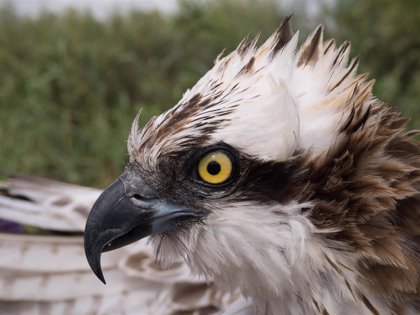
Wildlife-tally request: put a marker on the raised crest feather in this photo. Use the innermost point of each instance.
(283, 35)
(311, 49)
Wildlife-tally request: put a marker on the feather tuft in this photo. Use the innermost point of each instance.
(312, 48)
(283, 35)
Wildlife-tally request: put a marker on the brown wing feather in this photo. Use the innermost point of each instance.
(367, 189)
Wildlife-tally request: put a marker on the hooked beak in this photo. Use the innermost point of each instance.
(125, 212)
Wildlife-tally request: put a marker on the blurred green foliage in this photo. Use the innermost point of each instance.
(70, 84)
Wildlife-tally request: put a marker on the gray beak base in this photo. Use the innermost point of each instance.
(125, 212)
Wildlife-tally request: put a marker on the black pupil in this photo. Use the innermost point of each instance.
(213, 168)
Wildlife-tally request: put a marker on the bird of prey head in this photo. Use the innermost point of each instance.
(278, 174)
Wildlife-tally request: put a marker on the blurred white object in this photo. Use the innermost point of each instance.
(45, 273)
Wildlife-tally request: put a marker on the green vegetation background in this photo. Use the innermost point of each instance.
(70, 85)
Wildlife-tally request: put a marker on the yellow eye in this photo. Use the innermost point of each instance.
(215, 167)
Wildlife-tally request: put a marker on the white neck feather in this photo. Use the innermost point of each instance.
(282, 268)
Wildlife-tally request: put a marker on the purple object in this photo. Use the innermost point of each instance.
(10, 227)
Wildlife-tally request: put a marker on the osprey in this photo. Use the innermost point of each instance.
(281, 175)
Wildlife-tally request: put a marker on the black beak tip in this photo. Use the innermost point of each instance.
(99, 274)
(94, 261)
(95, 265)
(101, 277)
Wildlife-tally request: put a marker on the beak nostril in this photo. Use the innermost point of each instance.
(143, 201)
(142, 196)
(141, 193)
(136, 191)
(138, 197)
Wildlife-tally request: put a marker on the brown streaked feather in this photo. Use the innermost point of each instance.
(246, 45)
(328, 45)
(311, 49)
(283, 35)
(351, 69)
(248, 67)
(342, 51)
(369, 305)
